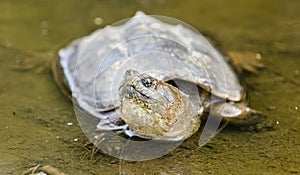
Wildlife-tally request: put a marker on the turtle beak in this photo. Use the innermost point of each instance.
(128, 78)
(131, 73)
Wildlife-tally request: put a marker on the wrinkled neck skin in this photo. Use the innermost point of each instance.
(157, 110)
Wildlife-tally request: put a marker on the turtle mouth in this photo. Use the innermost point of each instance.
(131, 92)
(135, 97)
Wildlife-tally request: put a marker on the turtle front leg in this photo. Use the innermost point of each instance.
(246, 61)
(242, 116)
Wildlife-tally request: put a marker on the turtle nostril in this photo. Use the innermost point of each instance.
(131, 72)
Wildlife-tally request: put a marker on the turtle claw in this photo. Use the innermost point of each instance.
(253, 121)
(31, 62)
(264, 125)
(112, 121)
(245, 118)
(246, 61)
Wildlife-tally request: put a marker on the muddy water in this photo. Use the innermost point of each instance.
(38, 125)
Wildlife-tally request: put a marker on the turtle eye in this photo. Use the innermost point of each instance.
(147, 82)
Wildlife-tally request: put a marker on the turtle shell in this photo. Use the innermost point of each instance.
(93, 65)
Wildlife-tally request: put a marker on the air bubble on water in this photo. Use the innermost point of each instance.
(76, 139)
(69, 124)
(296, 108)
(258, 56)
(98, 21)
(44, 32)
(271, 107)
(277, 122)
(44, 24)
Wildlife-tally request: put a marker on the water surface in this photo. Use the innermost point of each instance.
(38, 125)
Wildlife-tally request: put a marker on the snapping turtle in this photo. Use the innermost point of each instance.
(151, 79)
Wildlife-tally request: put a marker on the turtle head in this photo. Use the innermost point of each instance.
(155, 109)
